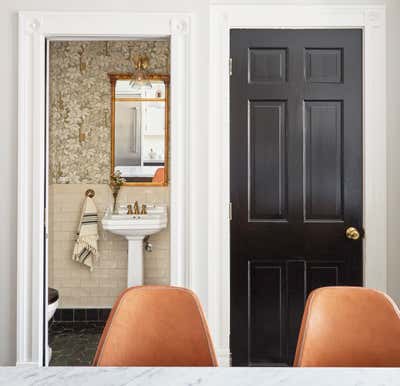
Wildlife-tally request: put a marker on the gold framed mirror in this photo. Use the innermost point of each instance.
(139, 129)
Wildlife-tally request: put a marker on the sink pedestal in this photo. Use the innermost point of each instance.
(135, 228)
(135, 260)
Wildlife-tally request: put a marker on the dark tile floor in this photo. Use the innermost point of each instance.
(74, 343)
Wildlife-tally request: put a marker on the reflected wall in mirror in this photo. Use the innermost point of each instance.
(139, 129)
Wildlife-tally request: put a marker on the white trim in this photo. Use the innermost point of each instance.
(34, 28)
(27, 364)
(224, 17)
(224, 357)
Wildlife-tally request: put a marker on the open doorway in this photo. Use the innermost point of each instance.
(37, 29)
(92, 120)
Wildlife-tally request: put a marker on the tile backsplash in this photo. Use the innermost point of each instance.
(77, 286)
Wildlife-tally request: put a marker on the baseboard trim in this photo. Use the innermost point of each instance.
(224, 357)
(27, 364)
(81, 314)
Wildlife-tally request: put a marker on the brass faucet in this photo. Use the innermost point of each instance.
(136, 208)
(130, 211)
(144, 209)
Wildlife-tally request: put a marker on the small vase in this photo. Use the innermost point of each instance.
(115, 195)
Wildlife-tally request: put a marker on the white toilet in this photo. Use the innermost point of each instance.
(52, 305)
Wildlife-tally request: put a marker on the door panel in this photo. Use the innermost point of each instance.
(267, 159)
(296, 296)
(267, 65)
(323, 158)
(320, 274)
(323, 65)
(296, 180)
(266, 329)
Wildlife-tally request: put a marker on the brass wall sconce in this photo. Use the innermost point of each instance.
(140, 64)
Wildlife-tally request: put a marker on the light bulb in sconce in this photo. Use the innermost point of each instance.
(140, 64)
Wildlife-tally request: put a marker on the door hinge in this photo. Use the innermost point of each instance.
(230, 211)
(46, 234)
(230, 66)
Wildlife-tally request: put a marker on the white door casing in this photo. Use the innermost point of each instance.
(34, 29)
(225, 17)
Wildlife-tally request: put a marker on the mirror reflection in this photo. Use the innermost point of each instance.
(140, 129)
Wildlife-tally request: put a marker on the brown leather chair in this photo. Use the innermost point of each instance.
(159, 175)
(349, 326)
(156, 326)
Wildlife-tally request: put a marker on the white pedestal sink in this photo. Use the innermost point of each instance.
(135, 228)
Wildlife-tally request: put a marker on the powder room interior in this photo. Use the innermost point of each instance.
(85, 114)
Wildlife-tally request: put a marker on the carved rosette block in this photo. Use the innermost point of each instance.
(179, 26)
(374, 18)
(32, 25)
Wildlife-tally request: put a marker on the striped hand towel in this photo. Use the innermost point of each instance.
(85, 250)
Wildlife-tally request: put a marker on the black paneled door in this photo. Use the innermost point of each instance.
(296, 181)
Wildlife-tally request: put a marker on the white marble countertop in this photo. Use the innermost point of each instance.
(186, 376)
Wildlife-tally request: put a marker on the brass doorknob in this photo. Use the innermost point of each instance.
(352, 233)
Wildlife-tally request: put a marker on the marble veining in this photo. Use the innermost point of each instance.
(186, 376)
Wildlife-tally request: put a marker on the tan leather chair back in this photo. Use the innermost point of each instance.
(349, 326)
(156, 326)
(159, 175)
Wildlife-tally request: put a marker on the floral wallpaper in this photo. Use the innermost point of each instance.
(80, 103)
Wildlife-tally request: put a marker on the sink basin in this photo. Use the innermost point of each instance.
(135, 228)
(134, 225)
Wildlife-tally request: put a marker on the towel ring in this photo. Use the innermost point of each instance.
(90, 193)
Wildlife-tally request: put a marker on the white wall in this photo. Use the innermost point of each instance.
(393, 156)
(198, 179)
